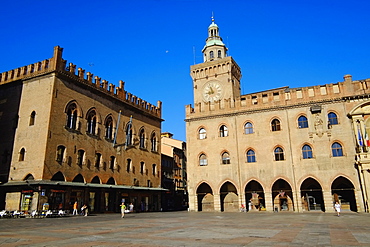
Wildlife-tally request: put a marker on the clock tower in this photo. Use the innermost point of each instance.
(218, 77)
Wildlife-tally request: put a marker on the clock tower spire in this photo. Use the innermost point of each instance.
(218, 77)
(214, 48)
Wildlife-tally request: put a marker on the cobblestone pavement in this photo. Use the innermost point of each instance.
(190, 229)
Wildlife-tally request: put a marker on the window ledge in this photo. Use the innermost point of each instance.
(72, 130)
(92, 135)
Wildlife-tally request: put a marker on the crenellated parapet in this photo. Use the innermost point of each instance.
(215, 68)
(283, 97)
(78, 75)
(26, 71)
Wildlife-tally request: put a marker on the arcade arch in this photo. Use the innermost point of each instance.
(229, 198)
(282, 196)
(254, 196)
(343, 191)
(311, 195)
(205, 198)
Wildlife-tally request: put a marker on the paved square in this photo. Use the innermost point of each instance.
(190, 229)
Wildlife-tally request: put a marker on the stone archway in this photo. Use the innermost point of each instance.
(229, 198)
(311, 195)
(282, 196)
(205, 198)
(58, 177)
(343, 191)
(254, 196)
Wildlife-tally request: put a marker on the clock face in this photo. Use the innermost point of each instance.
(212, 91)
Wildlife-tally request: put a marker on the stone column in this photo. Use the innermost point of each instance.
(328, 201)
(217, 202)
(297, 201)
(36, 200)
(242, 199)
(193, 202)
(359, 200)
(268, 201)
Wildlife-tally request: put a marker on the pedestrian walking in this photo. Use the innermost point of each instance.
(337, 208)
(123, 208)
(75, 212)
(131, 207)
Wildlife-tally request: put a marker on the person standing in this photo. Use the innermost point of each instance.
(337, 208)
(75, 212)
(84, 210)
(123, 208)
(131, 207)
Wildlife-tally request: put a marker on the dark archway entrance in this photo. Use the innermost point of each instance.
(311, 195)
(254, 196)
(343, 191)
(282, 196)
(58, 177)
(229, 198)
(205, 198)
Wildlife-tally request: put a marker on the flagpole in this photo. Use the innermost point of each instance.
(115, 134)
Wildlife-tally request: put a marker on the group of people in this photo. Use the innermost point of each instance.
(84, 209)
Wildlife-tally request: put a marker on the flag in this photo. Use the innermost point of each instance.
(360, 142)
(367, 141)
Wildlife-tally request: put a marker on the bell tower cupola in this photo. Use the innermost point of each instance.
(218, 78)
(214, 49)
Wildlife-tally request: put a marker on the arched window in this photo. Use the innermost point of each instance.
(22, 154)
(248, 128)
(203, 160)
(307, 152)
(128, 165)
(336, 149)
(251, 156)
(219, 53)
(223, 131)
(302, 122)
(154, 169)
(202, 134)
(142, 167)
(91, 122)
(279, 154)
(109, 128)
(112, 162)
(225, 158)
(129, 134)
(32, 118)
(80, 157)
(60, 153)
(275, 125)
(332, 118)
(211, 55)
(72, 116)
(97, 160)
(142, 138)
(153, 141)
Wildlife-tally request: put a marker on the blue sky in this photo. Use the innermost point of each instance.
(149, 44)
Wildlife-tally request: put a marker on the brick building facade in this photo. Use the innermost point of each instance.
(285, 149)
(70, 136)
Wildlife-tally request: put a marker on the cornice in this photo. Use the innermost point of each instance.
(267, 109)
